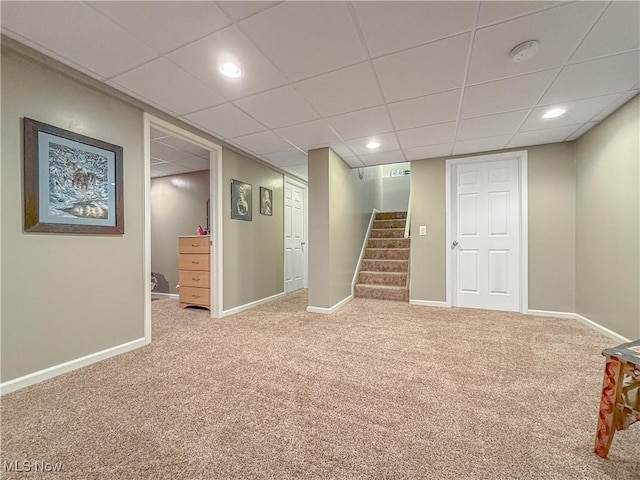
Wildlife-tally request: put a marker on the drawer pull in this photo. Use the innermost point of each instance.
(195, 296)
(194, 262)
(195, 245)
(195, 279)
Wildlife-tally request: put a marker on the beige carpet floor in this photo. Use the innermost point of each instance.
(379, 390)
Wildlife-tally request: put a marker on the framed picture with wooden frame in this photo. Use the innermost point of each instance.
(72, 183)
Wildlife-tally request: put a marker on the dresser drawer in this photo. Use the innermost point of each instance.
(195, 278)
(193, 261)
(198, 244)
(194, 296)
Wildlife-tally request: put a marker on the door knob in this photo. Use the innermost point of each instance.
(454, 244)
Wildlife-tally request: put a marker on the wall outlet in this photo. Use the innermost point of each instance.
(423, 229)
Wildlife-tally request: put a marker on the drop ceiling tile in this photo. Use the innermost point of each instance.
(164, 169)
(371, 121)
(156, 161)
(387, 143)
(353, 162)
(558, 30)
(388, 26)
(382, 158)
(306, 38)
(203, 57)
(305, 135)
(239, 10)
(278, 108)
(182, 144)
(225, 121)
(578, 111)
(164, 152)
(155, 133)
(539, 137)
(431, 151)
(165, 26)
(168, 86)
(47, 25)
(506, 95)
(428, 110)
(491, 125)
(431, 68)
(617, 30)
(345, 90)
(581, 131)
(492, 12)
(287, 158)
(261, 143)
(340, 148)
(597, 77)
(616, 104)
(480, 144)
(301, 171)
(192, 162)
(431, 135)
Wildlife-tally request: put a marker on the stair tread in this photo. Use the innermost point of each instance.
(385, 259)
(383, 273)
(386, 287)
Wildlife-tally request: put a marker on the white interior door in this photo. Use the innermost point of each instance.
(486, 234)
(294, 237)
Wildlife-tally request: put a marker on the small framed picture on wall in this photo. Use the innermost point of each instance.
(266, 201)
(240, 200)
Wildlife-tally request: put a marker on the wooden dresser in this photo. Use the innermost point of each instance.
(193, 271)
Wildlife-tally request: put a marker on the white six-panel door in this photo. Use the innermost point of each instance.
(485, 233)
(294, 241)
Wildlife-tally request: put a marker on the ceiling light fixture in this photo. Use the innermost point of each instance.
(230, 69)
(524, 51)
(373, 145)
(554, 112)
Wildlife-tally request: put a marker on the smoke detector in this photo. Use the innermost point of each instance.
(525, 51)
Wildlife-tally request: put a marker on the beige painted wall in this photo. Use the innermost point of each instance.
(340, 207)
(66, 296)
(253, 259)
(608, 222)
(551, 182)
(178, 206)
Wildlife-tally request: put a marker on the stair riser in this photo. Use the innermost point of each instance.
(388, 243)
(388, 233)
(362, 291)
(382, 266)
(389, 223)
(385, 254)
(391, 215)
(389, 279)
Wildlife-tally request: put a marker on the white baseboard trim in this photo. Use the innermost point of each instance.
(329, 311)
(241, 308)
(584, 320)
(549, 313)
(170, 295)
(66, 367)
(604, 330)
(427, 303)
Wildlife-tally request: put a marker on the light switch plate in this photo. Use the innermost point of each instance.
(423, 229)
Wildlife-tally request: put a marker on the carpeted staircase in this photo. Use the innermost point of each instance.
(384, 273)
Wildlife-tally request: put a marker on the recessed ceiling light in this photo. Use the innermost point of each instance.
(373, 145)
(230, 69)
(554, 112)
(524, 51)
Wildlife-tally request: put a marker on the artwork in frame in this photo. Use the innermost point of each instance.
(72, 183)
(240, 200)
(266, 206)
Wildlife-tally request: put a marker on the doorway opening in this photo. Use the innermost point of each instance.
(487, 234)
(186, 173)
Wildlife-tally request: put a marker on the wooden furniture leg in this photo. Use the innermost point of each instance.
(608, 417)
